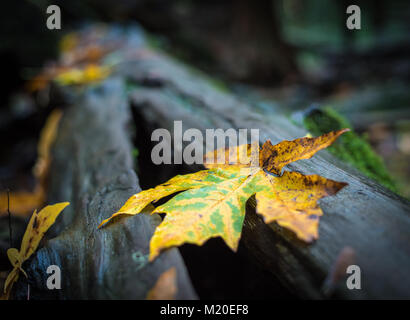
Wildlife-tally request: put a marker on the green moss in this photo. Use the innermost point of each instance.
(350, 147)
(135, 153)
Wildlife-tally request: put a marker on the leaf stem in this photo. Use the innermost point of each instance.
(9, 213)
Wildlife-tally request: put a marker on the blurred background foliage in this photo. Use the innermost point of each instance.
(295, 56)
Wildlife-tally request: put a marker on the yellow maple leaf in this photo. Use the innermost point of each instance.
(213, 201)
(166, 286)
(38, 225)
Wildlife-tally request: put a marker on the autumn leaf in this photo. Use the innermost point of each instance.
(213, 202)
(89, 74)
(48, 135)
(275, 158)
(139, 201)
(38, 225)
(72, 73)
(78, 62)
(166, 286)
(24, 202)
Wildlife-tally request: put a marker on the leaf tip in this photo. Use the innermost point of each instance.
(153, 255)
(343, 131)
(65, 204)
(103, 223)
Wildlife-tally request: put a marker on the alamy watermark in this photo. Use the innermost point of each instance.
(54, 19)
(54, 280)
(354, 281)
(170, 150)
(353, 21)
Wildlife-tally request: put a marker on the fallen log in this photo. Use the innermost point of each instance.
(369, 220)
(92, 168)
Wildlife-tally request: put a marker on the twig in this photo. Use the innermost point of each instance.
(8, 210)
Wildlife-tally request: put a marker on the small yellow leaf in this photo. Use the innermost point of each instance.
(10, 280)
(165, 287)
(15, 259)
(77, 51)
(14, 256)
(38, 225)
(48, 135)
(75, 76)
(22, 202)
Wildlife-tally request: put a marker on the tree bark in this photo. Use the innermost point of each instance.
(364, 216)
(92, 168)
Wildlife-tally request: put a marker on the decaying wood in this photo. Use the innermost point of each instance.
(371, 220)
(92, 168)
